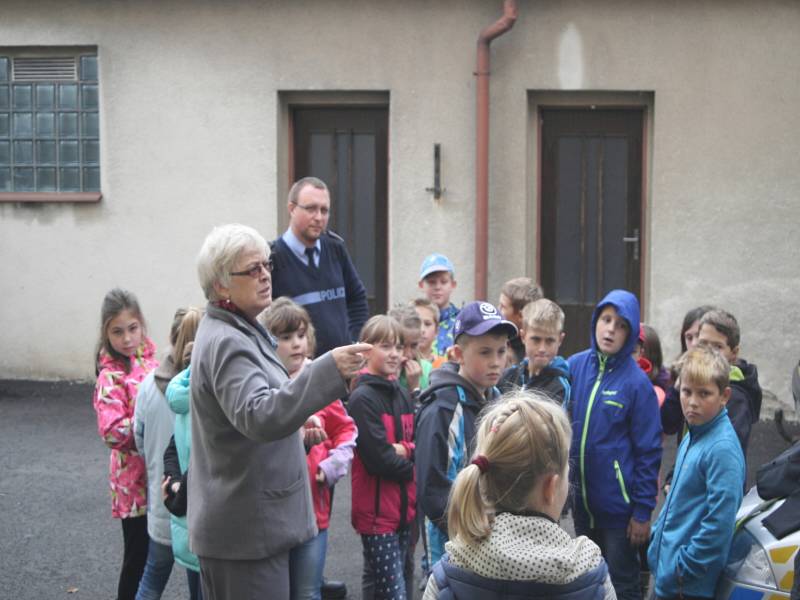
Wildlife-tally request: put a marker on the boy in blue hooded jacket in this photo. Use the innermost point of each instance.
(616, 443)
(692, 535)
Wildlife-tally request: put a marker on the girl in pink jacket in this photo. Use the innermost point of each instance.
(125, 356)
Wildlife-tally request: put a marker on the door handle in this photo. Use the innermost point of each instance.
(635, 241)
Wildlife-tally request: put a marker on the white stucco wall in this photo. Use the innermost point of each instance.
(190, 134)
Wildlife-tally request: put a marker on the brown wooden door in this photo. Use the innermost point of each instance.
(591, 217)
(348, 149)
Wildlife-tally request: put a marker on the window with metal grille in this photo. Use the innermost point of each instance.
(49, 123)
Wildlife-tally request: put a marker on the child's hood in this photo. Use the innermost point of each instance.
(744, 375)
(627, 306)
(146, 351)
(560, 366)
(527, 548)
(178, 392)
(375, 381)
(164, 373)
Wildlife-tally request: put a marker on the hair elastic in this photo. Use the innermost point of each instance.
(481, 462)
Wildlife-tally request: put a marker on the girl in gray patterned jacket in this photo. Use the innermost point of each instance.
(504, 509)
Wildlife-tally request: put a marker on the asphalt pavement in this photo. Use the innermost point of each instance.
(57, 537)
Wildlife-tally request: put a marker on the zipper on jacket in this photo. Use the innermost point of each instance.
(665, 513)
(621, 482)
(597, 381)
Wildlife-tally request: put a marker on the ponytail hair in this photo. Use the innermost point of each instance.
(182, 336)
(522, 438)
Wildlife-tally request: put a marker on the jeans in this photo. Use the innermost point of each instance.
(156, 571)
(386, 553)
(621, 557)
(306, 565)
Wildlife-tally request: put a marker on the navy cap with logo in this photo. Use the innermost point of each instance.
(477, 318)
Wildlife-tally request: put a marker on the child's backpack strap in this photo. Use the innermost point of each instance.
(458, 453)
(521, 376)
(462, 396)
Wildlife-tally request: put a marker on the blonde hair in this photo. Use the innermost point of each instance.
(705, 364)
(381, 328)
(184, 334)
(524, 437)
(543, 313)
(405, 315)
(287, 316)
(426, 303)
(521, 291)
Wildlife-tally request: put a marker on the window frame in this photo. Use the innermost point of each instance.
(76, 52)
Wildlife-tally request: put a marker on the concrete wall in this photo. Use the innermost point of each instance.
(192, 134)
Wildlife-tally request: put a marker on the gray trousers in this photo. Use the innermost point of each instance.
(245, 579)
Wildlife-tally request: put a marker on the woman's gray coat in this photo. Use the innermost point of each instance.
(249, 495)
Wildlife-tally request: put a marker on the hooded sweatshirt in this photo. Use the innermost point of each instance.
(383, 488)
(553, 380)
(523, 557)
(153, 427)
(616, 442)
(445, 431)
(744, 406)
(179, 398)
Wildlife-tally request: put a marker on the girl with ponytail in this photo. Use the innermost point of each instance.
(504, 509)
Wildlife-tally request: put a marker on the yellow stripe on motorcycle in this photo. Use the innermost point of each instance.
(782, 555)
(787, 581)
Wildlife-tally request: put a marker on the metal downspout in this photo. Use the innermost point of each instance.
(485, 38)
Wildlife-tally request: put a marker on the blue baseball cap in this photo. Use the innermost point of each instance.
(477, 318)
(434, 263)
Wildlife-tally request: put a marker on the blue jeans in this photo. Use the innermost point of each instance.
(622, 559)
(385, 555)
(306, 565)
(157, 570)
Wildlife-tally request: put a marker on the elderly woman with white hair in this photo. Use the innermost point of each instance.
(249, 500)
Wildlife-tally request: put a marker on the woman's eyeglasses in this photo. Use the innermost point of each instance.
(255, 270)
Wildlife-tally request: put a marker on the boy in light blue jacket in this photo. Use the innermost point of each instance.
(616, 442)
(692, 536)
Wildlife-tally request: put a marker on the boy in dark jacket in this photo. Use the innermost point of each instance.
(719, 329)
(383, 488)
(616, 443)
(450, 407)
(541, 369)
